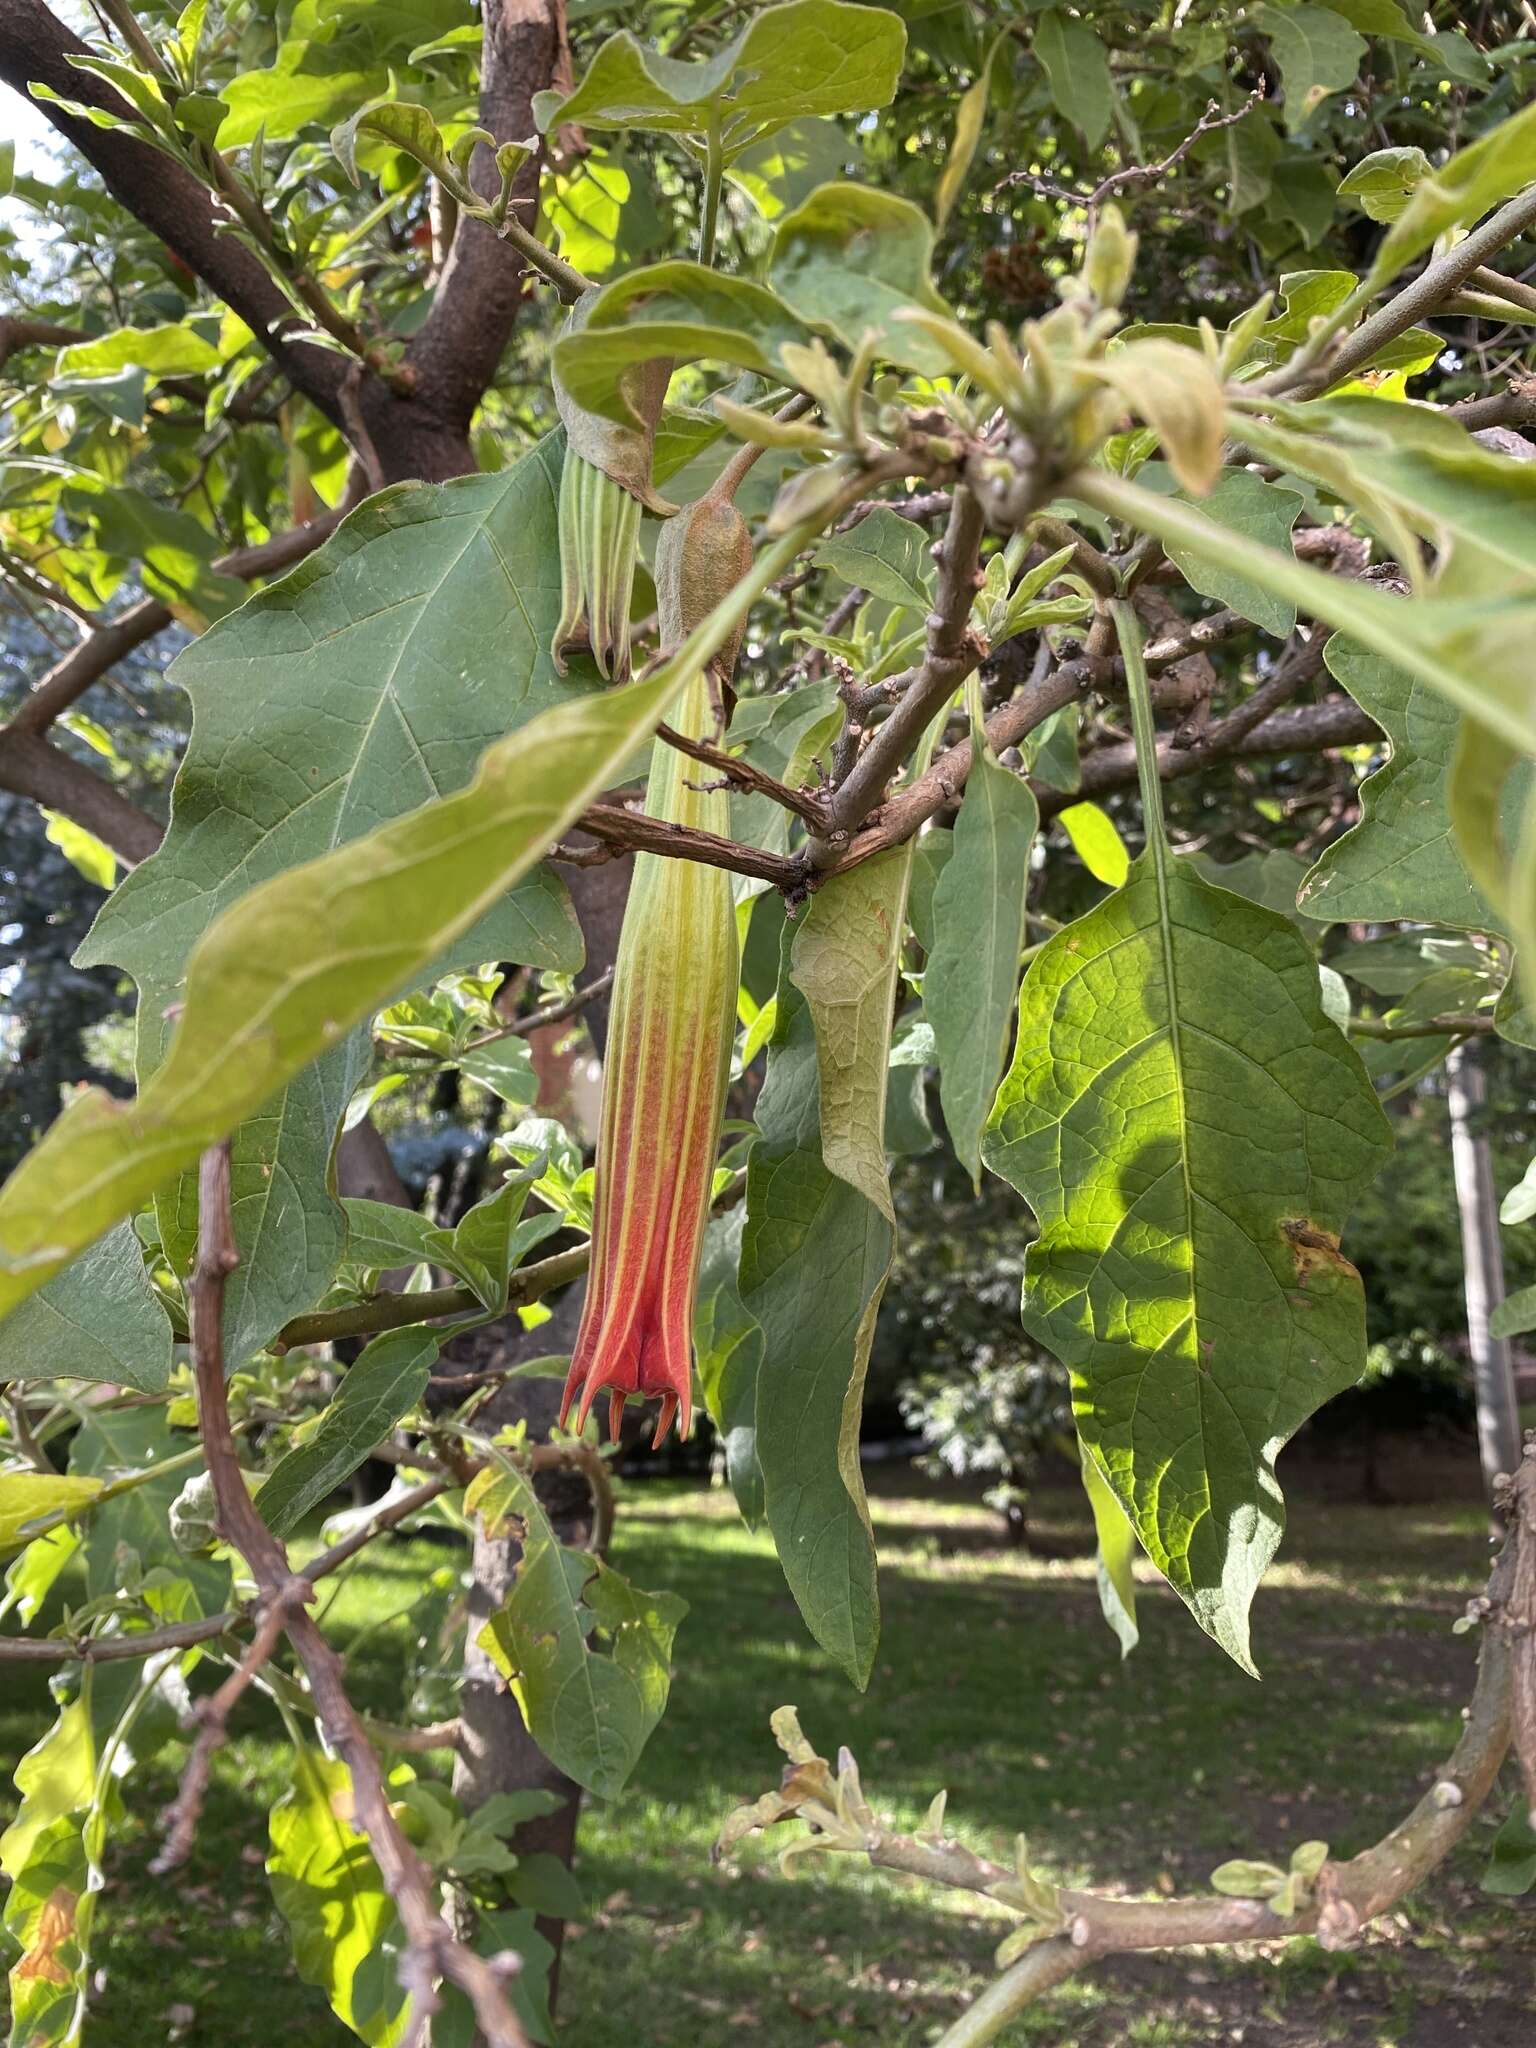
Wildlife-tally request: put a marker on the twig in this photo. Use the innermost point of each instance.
(184, 1812)
(111, 639)
(431, 1951)
(804, 803)
(1079, 1927)
(635, 832)
(1319, 364)
(1461, 1026)
(1136, 174)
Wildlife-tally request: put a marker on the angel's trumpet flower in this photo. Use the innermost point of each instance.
(669, 1036)
(604, 482)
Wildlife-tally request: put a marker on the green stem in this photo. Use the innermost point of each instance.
(1143, 730)
(714, 172)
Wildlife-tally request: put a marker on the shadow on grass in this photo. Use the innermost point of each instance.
(996, 1678)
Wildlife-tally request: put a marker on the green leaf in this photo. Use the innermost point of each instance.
(407, 126)
(1190, 1128)
(1097, 843)
(590, 1714)
(170, 351)
(853, 258)
(347, 1937)
(1116, 1548)
(1263, 512)
(1317, 51)
(1178, 394)
(1514, 1315)
(806, 57)
(527, 1993)
(1078, 72)
(934, 849)
(99, 1319)
(1511, 1868)
(672, 309)
(28, 1497)
(53, 1851)
(970, 117)
(284, 973)
(728, 1352)
(82, 849)
(1382, 183)
(844, 961)
(1272, 878)
(415, 689)
(972, 974)
(387, 1380)
(818, 1243)
(886, 555)
(1477, 178)
(1401, 860)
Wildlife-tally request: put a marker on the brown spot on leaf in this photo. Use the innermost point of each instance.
(1314, 1250)
(55, 1925)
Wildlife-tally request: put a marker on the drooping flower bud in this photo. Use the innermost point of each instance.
(669, 1036)
(605, 480)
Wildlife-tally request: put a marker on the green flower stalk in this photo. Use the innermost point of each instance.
(670, 1033)
(604, 484)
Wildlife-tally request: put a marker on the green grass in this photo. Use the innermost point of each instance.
(997, 1679)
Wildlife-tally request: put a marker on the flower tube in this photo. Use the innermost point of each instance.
(670, 1032)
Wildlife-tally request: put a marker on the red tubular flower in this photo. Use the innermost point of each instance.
(669, 1043)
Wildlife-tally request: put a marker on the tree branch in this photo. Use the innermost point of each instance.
(953, 653)
(1078, 1927)
(484, 281)
(1312, 370)
(431, 1951)
(29, 766)
(111, 639)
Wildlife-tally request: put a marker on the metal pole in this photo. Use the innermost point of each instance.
(1498, 1417)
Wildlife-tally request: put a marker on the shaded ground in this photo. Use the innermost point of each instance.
(997, 1679)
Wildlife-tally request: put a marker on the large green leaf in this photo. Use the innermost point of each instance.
(591, 1715)
(847, 260)
(1400, 860)
(1116, 1541)
(886, 555)
(346, 1933)
(854, 258)
(1264, 512)
(978, 935)
(285, 972)
(422, 627)
(818, 1243)
(675, 309)
(52, 1852)
(1191, 1129)
(30, 1497)
(1078, 71)
(1317, 51)
(805, 57)
(98, 1320)
(178, 351)
(386, 1382)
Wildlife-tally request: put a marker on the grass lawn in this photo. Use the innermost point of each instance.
(997, 1679)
